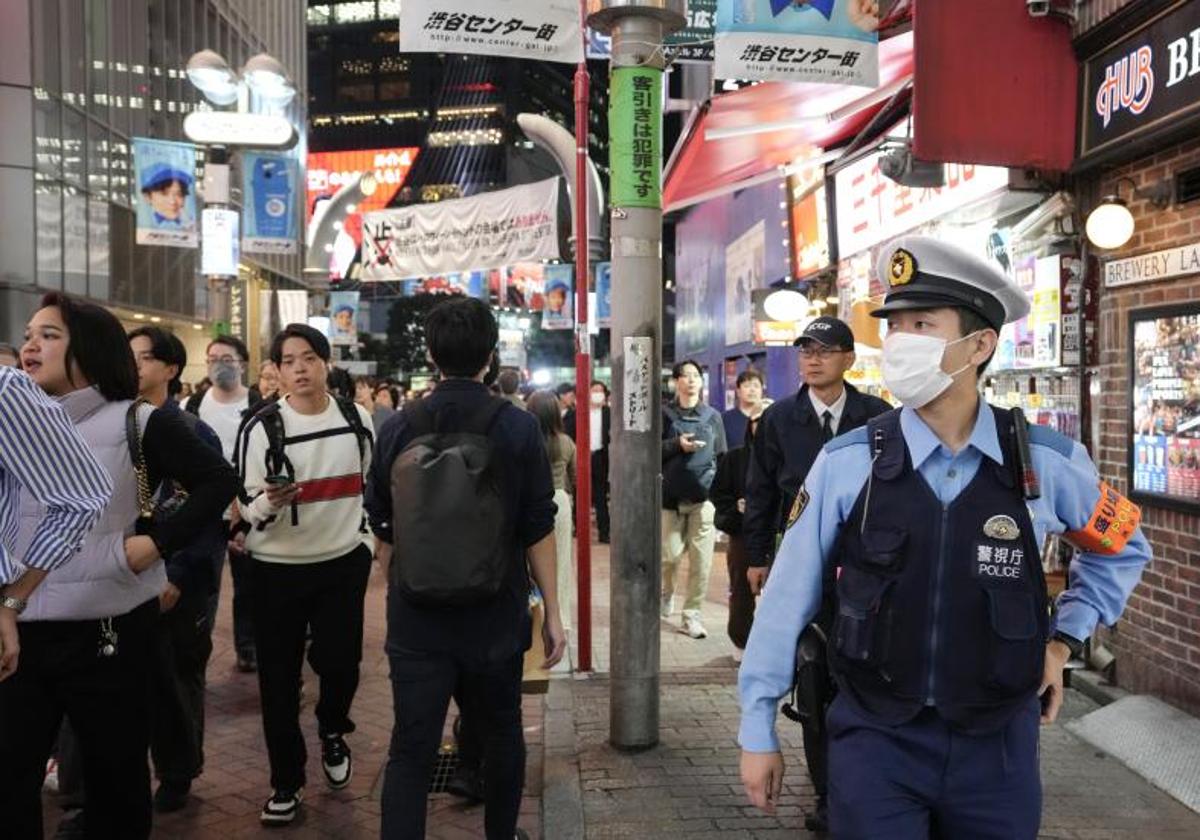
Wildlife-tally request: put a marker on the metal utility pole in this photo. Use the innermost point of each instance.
(637, 28)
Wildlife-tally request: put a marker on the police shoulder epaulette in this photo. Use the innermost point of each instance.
(1047, 437)
(857, 436)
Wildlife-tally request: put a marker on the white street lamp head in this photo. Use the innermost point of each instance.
(1110, 225)
(786, 305)
(268, 78)
(212, 76)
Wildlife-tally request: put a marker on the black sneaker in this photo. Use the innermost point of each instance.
(282, 807)
(336, 761)
(466, 783)
(171, 796)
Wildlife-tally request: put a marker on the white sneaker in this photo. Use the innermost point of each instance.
(693, 627)
(668, 606)
(282, 807)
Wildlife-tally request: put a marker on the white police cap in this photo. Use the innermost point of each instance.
(921, 272)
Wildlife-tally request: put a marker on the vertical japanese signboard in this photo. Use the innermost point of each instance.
(639, 377)
(830, 41)
(635, 114)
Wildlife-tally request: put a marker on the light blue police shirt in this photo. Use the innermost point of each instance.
(1098, 588)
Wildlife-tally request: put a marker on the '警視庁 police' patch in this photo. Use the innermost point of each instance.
(798, 507)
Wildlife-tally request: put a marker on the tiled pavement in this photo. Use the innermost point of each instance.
(229, 795)
(687, 787)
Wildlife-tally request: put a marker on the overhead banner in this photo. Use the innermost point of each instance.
(498, 228)
(269, 189)
(830, 41)
(166, 201)
(604, 295)
(546, 30)
(635, 121)
(559, 298)
(343, 318)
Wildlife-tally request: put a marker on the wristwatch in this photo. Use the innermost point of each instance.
(17, 605)
(1075, 646)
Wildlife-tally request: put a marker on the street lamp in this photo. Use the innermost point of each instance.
(1111, 224)
(263, 76)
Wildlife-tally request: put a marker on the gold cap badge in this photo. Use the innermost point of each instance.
(904, 266)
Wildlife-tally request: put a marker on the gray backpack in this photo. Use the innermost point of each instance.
(450, 529)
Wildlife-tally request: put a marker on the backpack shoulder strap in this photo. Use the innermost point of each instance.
(366, 441)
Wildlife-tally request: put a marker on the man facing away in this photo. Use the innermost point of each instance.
(439, 639)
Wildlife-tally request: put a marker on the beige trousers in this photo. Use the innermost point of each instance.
(689, 529)
(565, 565)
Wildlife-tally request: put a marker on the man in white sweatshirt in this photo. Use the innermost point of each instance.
(302, 468)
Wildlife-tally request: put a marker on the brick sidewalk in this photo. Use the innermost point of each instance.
(227, 798)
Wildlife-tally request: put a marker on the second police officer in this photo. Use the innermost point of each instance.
(942, 644)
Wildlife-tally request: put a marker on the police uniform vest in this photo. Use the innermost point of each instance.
(939, 604)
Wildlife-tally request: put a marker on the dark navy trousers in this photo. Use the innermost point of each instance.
(922, 780)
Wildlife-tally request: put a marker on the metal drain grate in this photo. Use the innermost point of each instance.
(447, 763)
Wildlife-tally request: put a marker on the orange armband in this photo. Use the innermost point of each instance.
(1110, 526)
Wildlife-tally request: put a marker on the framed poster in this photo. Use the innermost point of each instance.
(1164, 455)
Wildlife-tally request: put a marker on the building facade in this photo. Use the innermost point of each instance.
(79, 80)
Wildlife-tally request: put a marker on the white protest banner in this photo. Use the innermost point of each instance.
(547, 30)
(493, 229)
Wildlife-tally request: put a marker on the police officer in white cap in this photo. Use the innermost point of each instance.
(942, 645)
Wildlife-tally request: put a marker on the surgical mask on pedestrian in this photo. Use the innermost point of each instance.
(225, 375)
(597, 401)
(912, 367)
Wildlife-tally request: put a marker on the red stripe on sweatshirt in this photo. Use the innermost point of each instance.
(330, 489)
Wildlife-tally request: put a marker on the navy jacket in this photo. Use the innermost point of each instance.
(192, 567)
(688, 477)
(788, 441)
(501, 628)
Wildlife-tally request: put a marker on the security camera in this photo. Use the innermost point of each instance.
(1038, 8)
(900, 165)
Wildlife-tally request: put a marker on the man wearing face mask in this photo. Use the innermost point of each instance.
(223, 407)
(941, 645)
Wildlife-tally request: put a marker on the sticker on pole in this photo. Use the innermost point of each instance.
(639, 380)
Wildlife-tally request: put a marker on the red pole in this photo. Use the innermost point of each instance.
(583, 360)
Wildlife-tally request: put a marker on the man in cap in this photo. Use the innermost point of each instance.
(941, 645)
(790, 436)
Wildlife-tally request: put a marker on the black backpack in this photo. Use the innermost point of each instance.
(278, 462)
(449, 523)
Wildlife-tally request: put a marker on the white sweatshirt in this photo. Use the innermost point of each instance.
(330, 473)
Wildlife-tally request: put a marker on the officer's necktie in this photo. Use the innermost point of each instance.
(827, 426)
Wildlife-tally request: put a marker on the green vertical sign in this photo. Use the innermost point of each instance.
(635, 131)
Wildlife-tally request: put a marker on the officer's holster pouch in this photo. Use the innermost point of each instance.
(812, 683)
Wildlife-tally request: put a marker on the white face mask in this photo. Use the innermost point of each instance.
(912, 367)
(597, 400)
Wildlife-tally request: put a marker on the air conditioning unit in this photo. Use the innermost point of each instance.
(900, 165)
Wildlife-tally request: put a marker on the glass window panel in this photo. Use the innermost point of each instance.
(320, 15)
(47, 136)
(139, 80)
(47, 71)
(354, 12)
(98, 160)
(395, 89)
(48, 208)
(98, 249)
(98, 58)
(389, 9)
(120, 257)
(74, 54)
(120, 170)
(74, 144)
(75, 241)
(120, 77)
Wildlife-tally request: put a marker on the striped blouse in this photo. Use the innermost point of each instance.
(41, 452)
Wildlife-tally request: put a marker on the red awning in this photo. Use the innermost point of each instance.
(705, 168)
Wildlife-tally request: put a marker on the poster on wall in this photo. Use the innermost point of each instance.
(824, 41)
(269, 188)
(1165, 361)
(559, 298)
(166, 200)
(343, 318)
(1036, 340)
(745, 265)
(604, 295)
